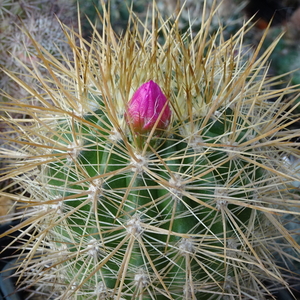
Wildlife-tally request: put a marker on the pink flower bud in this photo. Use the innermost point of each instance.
(146, 106)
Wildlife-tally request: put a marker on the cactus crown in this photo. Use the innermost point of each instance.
(188, 208)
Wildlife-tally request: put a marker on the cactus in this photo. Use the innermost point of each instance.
(156, 166)
(40, 19)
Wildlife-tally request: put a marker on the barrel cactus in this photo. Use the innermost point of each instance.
(157, 165)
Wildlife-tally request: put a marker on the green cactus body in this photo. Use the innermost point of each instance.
(186, 212)
(154, 221)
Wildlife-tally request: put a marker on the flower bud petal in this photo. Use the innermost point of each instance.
(146, 106)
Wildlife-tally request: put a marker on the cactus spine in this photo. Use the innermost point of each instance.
(190, 210)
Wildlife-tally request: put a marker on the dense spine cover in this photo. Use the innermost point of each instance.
(188, 207)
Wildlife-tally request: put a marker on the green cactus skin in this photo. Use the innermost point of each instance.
(193, 214)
